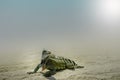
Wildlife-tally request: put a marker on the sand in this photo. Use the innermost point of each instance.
(97, 67)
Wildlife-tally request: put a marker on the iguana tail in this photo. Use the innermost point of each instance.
(79, 66)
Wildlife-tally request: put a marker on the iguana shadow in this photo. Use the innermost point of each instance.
(51, 78)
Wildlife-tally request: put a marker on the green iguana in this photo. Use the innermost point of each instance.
(53, 63)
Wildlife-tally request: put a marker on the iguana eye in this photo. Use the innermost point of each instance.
(44, 51)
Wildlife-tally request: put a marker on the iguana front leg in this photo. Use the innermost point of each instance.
(35, 70)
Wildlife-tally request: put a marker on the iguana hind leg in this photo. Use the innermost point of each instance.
(50, 73)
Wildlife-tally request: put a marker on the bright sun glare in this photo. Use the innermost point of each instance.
(109, 9)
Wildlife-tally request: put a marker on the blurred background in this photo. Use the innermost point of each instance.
(62, 26)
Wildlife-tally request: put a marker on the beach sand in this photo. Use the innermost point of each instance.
(97, 67)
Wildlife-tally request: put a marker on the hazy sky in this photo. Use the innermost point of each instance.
(58, 24)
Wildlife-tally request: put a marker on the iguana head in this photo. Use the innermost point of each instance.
(45, 54)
